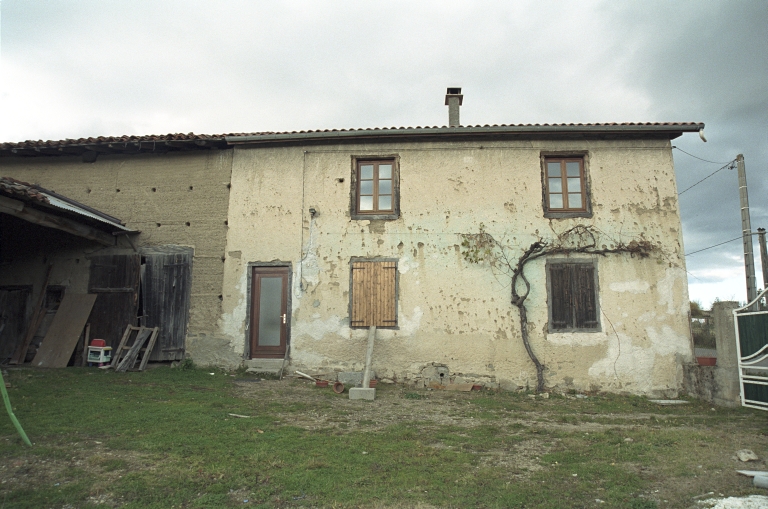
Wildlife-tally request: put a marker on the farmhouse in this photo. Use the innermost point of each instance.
(243, 248)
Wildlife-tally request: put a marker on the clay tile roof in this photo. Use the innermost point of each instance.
(114, 144)
(671, 125)
(179, 141)
(44, 199)
(21, 189)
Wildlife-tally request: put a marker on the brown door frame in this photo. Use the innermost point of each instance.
(257, 271)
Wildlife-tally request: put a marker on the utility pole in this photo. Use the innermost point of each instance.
(763, 255)
(746, 231)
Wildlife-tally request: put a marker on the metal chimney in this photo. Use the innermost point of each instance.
(453, 100)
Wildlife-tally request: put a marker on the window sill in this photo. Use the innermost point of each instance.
(374, 217)
(566, 214)
(550, 330)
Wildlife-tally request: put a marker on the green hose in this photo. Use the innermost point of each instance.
(10, 412)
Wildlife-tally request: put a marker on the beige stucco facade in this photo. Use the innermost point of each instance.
(249, 204)
(451, 312)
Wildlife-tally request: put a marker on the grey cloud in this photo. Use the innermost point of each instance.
(85, 68)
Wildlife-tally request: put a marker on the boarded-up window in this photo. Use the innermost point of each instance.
(374, 294)
(572, 296)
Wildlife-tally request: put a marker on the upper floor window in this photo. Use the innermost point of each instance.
(565, 187)
(375, 189)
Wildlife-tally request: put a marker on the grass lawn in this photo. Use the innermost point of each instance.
(165, 438)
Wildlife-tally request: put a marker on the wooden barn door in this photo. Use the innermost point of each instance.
(13, 319)
(166, 278)
(115, 281)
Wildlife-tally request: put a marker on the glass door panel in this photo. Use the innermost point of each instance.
(270, 311)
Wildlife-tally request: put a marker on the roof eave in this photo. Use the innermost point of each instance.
(533, 131)
(110, 147)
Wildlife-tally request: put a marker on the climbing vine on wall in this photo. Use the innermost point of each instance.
(484, 248)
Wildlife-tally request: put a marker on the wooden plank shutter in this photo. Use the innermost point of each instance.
(374, 300)
(360, 277)
(560, 287)
(584, 305)
(387, 316)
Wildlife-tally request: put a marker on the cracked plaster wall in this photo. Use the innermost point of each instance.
(451, 312)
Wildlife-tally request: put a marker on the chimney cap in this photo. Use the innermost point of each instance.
(454, 92)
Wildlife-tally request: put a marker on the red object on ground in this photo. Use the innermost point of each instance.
(321, 383)
(99, 342)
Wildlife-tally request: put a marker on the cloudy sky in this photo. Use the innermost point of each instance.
(76, 68)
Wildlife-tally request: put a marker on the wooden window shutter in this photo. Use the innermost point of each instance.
(584, 305)
(560, 286)
(374, 299)
(573, 296)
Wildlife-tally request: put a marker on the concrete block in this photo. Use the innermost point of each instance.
(264, 363)
(362, 393)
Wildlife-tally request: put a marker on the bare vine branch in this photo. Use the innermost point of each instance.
(482, 247)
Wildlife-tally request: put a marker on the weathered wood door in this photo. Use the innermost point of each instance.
(269, 312)
(165, 289)
(115, 281)
(13, 319)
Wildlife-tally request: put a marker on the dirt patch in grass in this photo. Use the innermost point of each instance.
(397, 405)
(519, 459)
(56, 466)
(696, 441)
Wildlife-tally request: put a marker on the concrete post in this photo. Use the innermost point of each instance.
(365, 392)
(746, 231)
(763, 255)
(369, 356)
(727, 369)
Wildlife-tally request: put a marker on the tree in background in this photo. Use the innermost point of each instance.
(696, 311)
(702, 328)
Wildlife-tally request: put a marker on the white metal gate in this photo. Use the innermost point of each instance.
(752, 346)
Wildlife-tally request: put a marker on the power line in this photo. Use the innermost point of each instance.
(710, 247)
(727, 165)
(697, 157)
